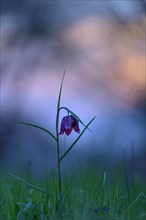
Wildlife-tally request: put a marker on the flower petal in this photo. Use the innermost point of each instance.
(76, 128)
(67, 120)
(68, 124)
(62, 128)
(68, 131)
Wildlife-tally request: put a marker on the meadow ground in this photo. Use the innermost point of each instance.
(87, 195)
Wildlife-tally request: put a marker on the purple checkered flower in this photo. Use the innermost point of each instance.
(68, 124)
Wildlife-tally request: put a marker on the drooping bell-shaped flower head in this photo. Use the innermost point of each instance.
(68, 124)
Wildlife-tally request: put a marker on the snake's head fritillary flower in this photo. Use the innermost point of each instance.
(68, 124)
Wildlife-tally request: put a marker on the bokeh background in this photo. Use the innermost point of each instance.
(101, 45)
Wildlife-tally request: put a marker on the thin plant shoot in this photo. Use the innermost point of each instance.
(69, 123)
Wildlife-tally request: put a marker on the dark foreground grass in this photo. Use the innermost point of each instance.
(86, 196)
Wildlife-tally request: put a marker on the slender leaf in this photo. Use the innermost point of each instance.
(100, 184)
(29, 184)
(140, 195)
(36, 126)
(58, 104)
(126, 178)
(68, 150)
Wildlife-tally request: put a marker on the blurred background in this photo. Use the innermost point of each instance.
(101, 45)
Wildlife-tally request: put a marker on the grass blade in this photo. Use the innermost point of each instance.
(58, 104)
(36, 126)
(126, 178)
(140, 195)
(29, 184)
(68, 150)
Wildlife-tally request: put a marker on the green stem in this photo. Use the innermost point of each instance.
(58, 150)
(58, 167)
(59, 179)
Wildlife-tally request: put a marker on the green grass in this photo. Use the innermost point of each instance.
(86, 195)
